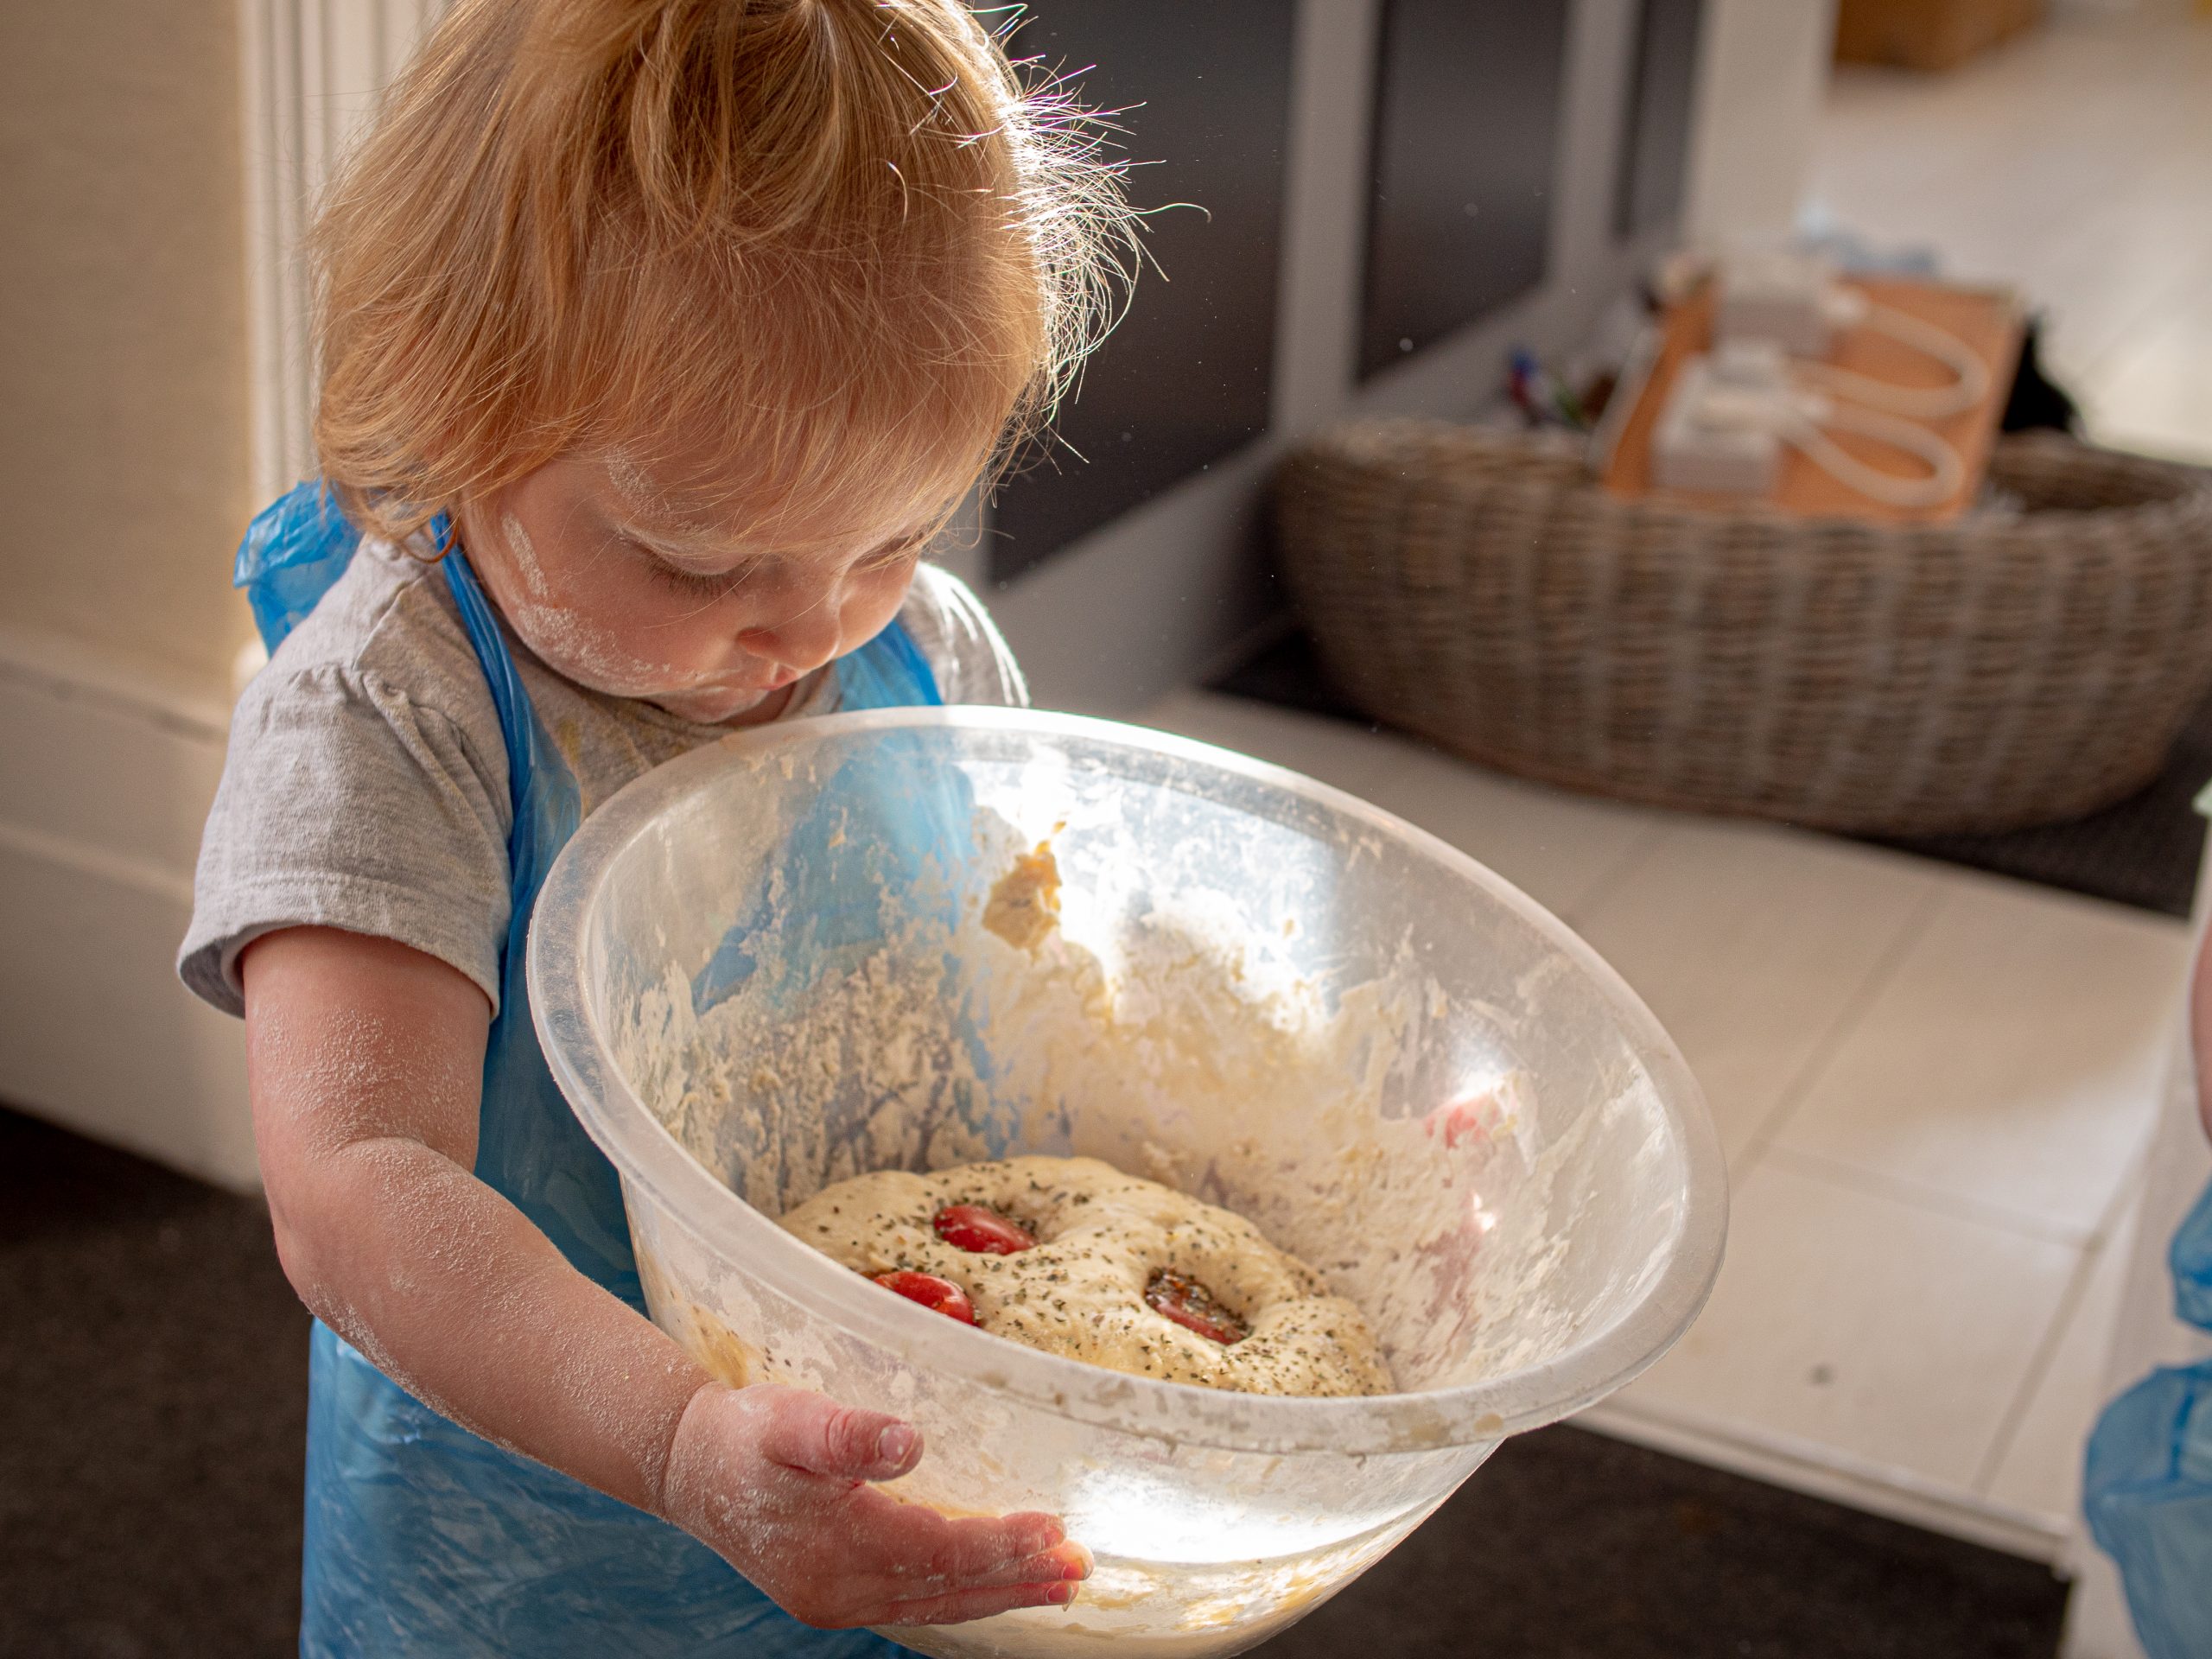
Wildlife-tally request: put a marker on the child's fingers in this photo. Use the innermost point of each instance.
(1067, 1563)
(963, 1604)
(911, 1542)
(856, 1593)
(807, 1431)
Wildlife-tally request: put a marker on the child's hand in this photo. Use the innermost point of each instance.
(777, 1480)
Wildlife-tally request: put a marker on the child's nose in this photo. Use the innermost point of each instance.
(803, 641)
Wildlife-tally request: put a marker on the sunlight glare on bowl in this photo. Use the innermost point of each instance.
(1121, 1512)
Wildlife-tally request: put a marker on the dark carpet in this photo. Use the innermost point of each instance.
(153, 1383)
(1566, 1545)
(2142, 852)
(153, 1409)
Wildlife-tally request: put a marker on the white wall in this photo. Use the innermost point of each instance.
(311, 72)
(161, 153)
(124, 459)
(1761, 74)
(104, 779)
(123, 431)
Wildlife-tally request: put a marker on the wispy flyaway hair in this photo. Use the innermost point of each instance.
(838, 243)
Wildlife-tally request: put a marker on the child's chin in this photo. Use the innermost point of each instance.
(714, 706)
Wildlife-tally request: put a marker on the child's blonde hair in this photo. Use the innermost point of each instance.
(838, 235)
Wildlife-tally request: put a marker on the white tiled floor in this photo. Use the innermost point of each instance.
(1931, 1084)
(2072, 163)
(1897, 1333)
(2071, 1001)
(1787, 933)
(2035, 1467)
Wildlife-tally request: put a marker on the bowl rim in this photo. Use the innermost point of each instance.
(1592, 1364)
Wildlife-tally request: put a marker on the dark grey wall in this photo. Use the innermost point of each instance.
(1468, 102)
(1187, 376)
(1134, 578)
(1654, 152)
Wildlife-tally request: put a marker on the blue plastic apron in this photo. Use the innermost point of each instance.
(422, 1538)
(2147, 1486)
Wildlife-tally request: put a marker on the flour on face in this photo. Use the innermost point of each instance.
(576, 644)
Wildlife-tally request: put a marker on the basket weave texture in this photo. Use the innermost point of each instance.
(2005, 669)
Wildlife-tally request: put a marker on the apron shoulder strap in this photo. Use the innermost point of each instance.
(518, 723)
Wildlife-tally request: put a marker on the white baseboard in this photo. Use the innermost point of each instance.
(1824, 1472)
(105, 777)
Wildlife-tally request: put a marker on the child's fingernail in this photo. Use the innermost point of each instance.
(895, 1444)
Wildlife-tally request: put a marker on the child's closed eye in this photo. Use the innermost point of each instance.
(694, 584)
(719, 584)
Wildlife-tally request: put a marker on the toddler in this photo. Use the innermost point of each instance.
(658, 338)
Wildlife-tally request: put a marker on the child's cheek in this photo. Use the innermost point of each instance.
(871, 608)
(586, 652)
(566, 624)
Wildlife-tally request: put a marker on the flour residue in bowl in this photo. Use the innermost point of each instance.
(1167, 1043)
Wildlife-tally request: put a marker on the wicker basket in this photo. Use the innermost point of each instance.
(2009, 668)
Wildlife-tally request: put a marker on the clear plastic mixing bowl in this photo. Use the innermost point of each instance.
(1260, 988)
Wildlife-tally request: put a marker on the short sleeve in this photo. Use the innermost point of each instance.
(346, 804)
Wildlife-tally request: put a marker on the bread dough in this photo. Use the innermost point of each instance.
(1024, 906)
(1100, 1237)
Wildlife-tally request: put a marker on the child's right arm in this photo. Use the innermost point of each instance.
(365, 1061)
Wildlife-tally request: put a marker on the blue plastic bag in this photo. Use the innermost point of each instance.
(2146, 1483)
(294, 548)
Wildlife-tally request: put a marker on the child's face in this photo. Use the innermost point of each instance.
(617, 582)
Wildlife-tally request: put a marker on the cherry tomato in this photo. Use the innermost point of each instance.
(1191, 1305)
(939, 1295)
(973, 1227)
(1471, 1118)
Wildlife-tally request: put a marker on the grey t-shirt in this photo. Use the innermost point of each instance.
(366, 783)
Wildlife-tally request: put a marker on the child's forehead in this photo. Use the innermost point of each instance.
(693, 502)
(675, 493)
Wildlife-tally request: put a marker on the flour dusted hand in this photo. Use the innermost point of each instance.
(1072, 1256)
(777, 1481)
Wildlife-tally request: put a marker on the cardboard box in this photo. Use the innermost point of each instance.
(1987, 321)
(1927, 33)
